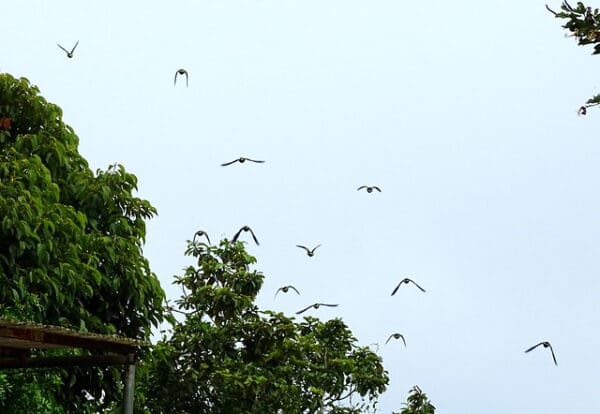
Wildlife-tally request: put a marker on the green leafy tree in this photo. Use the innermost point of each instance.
(70, 243)
(417, 403)
(583, 23)
(226, 355)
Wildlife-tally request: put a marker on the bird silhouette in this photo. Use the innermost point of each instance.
(582, 110)
(241, 160)
(406, 280)
(396, 336)
(369, 188)
(201, 233)
(285, 289)
(69, 54)
(309, 253)
(316, 306)
(545, 344)
(245, 228)
(181, 72)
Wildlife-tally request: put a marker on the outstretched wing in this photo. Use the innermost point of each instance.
(253, 236)
(533, 347)
(315, 248)
(403, 340)
(236, 235)
(186, 78)
(294, 289)
(72, 50)
(303, 247)
(227, 163)
(175, 79)
(377, 188)
(396, 289)
(305, 309)
(66, 51)
(278, 290)
(361, 187)
(248, 159)
(331, 305)
(415, 283)
(390, 337)
(553, 356)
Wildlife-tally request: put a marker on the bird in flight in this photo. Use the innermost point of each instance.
(245, 228)
(241, 160)
(201, 233)
(285, 289)
(309, 253)
(396, 336)
(69, 54)
(546, 344)
(406, 280)
(369, 188)
(316, 306)
(181, 72)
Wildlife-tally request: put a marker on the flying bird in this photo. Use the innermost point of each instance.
(241, 160)
(245, 228)
(369, 188)
(316, 306)
(582, 110)
(181, 72)
(309, 253)
(201, 233)
(69, 54)
(396, 336)
(406, 280)
(285, 289)
(546, 344)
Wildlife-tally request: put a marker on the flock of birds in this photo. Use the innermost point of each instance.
(311, 252)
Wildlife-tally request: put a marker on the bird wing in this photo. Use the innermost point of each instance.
(553, 356)
(390, 337)
(175, 79)
(294, 289)
(253, 236)
(186, 78)
(72, 50)
(66, 51)
(415, 283)
(361, 187)
(278, 290)
(328, 304)
(377, 188)
(533, 347)
(396, 289)
(303, 247)
(403, 340)
(305, 309)
(315, 248)
(235, 237)
(249, 159)
(227, 163)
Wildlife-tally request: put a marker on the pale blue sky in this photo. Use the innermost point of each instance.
(463, 112)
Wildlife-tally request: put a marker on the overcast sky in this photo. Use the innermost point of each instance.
(462, 112)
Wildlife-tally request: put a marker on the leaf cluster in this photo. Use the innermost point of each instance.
(227, 356)
(70, 239)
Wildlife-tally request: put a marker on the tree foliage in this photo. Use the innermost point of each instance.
(417, 403)
(583, 23)
(70, 239)
(228, 356)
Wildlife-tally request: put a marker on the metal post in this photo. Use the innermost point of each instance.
(129, 389)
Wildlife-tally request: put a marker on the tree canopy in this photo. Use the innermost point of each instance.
(226, 355)
(583, 23)
(70, 239)
(417, 403)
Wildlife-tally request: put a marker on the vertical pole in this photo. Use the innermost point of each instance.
(129, 389)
